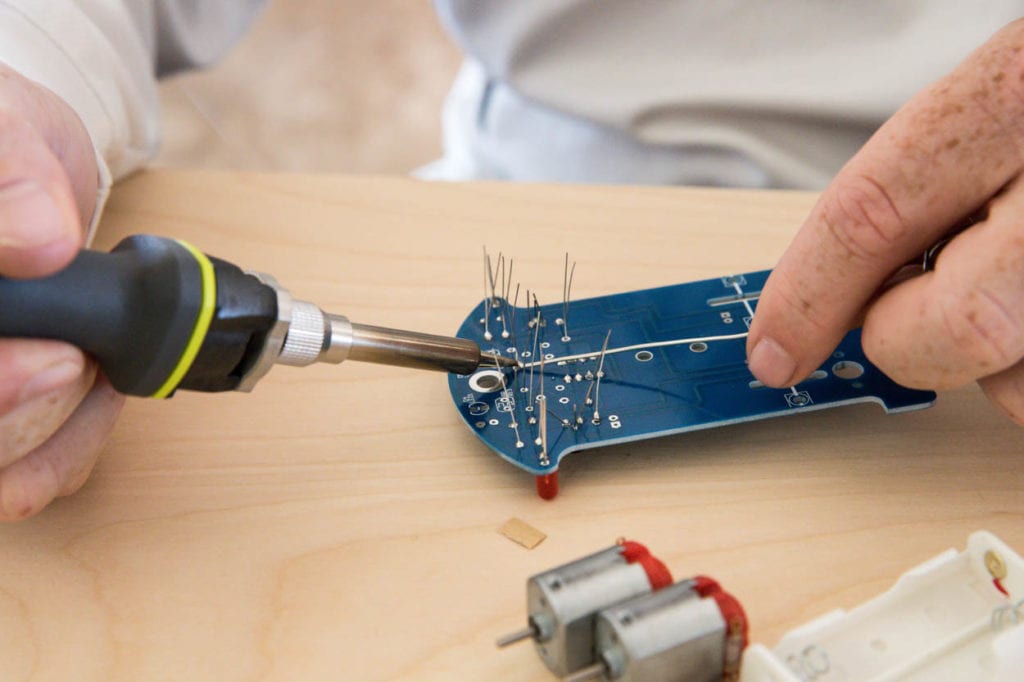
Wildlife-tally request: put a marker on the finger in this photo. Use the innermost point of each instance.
(43, 383)
(68, 139)
(964, 320)
(1006, 391)
(60, 465)
(48, 179)
(945, 153)
(40, 229)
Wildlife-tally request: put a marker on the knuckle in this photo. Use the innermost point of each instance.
(983, 329)
(1003, 57)
(862, 218)
(998, 90)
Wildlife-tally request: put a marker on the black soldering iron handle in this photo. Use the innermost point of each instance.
(156, 314)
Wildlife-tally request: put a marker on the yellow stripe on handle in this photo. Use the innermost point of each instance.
(206, 310)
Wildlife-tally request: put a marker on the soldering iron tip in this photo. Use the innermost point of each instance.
(499, 360)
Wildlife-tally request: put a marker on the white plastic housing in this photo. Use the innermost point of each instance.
(943, 621)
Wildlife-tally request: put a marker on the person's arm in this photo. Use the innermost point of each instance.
(955, 149)
(78, 108)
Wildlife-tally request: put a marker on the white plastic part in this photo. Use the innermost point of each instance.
(943, 621)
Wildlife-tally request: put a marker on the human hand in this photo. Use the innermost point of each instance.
(55, 410)
(956, 149)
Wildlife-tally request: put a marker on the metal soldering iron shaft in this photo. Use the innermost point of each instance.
(365, 343)
(304, 334)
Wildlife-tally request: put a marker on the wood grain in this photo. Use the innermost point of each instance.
(339, 523)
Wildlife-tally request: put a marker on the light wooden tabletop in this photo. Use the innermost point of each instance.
(340, 523)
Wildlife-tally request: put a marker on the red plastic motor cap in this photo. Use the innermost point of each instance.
(658, 574)
(737, 628)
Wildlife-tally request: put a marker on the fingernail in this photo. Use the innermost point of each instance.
(29, 217)
(61, 373)
(770, 363)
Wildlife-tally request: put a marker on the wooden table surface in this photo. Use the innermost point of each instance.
(340, 523)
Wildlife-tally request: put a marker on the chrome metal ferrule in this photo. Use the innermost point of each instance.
(305, 339)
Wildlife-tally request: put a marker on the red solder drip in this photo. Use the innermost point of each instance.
(737, 627)
(657, 573)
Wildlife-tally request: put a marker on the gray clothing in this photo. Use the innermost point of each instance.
(774, 93)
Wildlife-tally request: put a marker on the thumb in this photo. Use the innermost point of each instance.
(48, 179)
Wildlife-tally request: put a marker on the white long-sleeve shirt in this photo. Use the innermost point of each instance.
(730, 92)
(103, 57)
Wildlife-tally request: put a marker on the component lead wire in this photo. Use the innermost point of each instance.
(487, 317)
(533, 352)
(490, 273)
(543, 409)
(512, 412)
(501, 274)
(600, 373)
(492, 269)
(502, 315)
(653, 344)
(508, 285)
(566, 295)
(543, 457)
(742, 294)
(512, 321)
(590, 389)
(486, 270)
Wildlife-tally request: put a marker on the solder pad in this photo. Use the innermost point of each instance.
(674, 362)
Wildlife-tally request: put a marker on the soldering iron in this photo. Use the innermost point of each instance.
(159, 315)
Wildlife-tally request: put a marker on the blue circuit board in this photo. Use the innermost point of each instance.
(674, 360)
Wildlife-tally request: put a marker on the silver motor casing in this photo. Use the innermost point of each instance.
(563, 602)
(669, 635)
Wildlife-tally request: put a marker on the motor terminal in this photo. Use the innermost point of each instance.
(562, 603)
